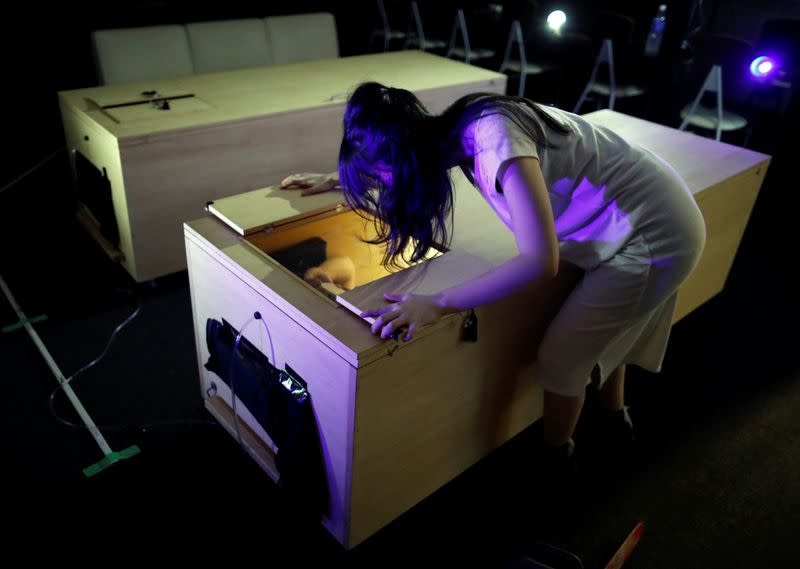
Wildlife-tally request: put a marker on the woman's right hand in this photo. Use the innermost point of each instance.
(311, 183)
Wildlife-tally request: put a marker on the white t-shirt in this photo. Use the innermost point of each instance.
(601, 187)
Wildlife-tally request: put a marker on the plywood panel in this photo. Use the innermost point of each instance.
(243, 93)
(702, 162)
(115, 95)
(422, 412)
(217, 293)
(170, 180)
(711, 272)
(101, 149)
(438, 405)
(157, 109)
(444, 271)
(249, 212)
(261, 125)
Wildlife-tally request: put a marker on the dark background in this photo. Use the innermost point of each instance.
(47, 48)
(717, 482)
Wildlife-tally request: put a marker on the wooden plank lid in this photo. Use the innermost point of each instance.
(428, 277)
(271, 207)
(123, 95)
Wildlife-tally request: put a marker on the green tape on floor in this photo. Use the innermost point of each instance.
(21, 323)
(110, 459)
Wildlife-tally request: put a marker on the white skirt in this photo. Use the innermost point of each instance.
(621, 311)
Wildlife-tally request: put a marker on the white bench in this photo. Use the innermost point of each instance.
(126, 55)
(224, 45)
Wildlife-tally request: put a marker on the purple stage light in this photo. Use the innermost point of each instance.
(762, 66)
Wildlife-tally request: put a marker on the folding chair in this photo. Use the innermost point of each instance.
(714, 118)
(466, 51)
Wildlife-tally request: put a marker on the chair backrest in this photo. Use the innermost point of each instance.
(460, 28)
(125, 55)
(605, 57)
(383, 16)
(418, 27)
(527, 24)
(711, 84)
(517, 35)
(228, 44)
(302, 37)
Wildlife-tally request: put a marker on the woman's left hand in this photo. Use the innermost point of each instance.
(409, 311)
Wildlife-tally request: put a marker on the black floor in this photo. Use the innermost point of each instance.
(717, 483)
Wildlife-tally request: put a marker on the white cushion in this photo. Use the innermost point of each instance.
(302, 37)
(620, 91)
(137, 54)
(706, 117)
(228, 44)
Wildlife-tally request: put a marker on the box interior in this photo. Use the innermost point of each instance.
(334, 243)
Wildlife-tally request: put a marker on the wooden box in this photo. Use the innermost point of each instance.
(399, 420)
(223, 134)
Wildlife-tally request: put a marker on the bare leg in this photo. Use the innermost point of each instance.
(612, 394)
(560, 417)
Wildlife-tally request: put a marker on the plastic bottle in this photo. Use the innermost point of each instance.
(653, 44)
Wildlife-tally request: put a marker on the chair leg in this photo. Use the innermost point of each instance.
(648, 105)
(606, 56)
(452, 45)
(747, 132)
(507, 54)
(581, 100)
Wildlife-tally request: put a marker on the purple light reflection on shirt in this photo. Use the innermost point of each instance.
(584, 214)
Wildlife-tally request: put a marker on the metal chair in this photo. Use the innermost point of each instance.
(465, 51)
(619, 30)
(417, 38)
(714, 118)
(521, 66)
(384, 30)
(609, 90)
(727, 59)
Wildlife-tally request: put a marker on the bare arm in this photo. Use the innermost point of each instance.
(534, 230)
(311, 183)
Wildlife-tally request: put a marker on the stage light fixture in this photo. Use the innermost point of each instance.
(556, 20)
(763, 66)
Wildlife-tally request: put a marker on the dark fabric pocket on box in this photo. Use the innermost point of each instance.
(280, 402)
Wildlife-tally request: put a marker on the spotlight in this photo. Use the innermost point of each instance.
(762, 67)
(556, 20)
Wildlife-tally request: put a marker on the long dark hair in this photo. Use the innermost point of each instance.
(384, 124)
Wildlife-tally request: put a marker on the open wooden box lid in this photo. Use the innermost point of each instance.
(450, 269)
(479, 242)
(271, 207)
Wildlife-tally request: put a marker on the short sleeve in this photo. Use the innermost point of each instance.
(498, 139)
